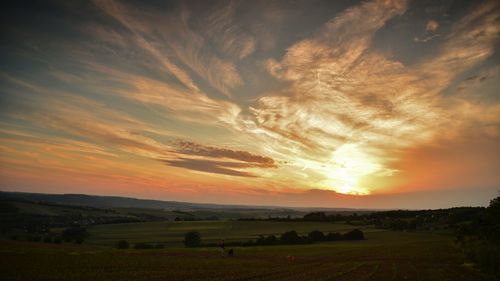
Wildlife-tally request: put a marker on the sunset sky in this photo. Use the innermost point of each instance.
(372, 104)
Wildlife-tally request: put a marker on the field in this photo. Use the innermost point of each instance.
(172, 233)
(385, 255)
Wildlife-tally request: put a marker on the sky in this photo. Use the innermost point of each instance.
(361, 104)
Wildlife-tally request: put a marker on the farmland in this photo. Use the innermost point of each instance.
(35, 243)
(172, 233)
(385, 255)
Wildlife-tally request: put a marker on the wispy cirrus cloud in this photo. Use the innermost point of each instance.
(98, 124)
(192, 106)
(345, 97)
(122, 14)
(186, 39)
(86, 118)
(225, 32)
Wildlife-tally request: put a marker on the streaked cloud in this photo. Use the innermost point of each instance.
(217, 160)
(210, 166)
(191, 148)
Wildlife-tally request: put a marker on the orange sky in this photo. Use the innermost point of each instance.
(378, 104)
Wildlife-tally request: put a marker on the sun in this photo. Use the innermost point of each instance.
(347, 166)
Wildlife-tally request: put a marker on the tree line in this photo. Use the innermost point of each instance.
(193, 239)
(479, 239)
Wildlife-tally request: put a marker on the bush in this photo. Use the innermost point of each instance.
(47, 239)
(192, 239)
(159, 246)
(122, 244)
(79, 240)
(57, 240)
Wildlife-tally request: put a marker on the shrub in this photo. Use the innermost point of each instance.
(192, 239)
(79, 240)
(57, 240)
(47, 239)
(159, 246)
(122, 244)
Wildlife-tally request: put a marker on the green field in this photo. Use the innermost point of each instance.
(383, 256)
(172, 233)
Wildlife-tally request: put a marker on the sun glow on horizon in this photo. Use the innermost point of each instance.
(347, 166)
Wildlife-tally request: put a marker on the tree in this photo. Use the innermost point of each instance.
(355, 234)
(290, 237)
(316, 236)
(192, 239)
(333, 236)
(315, 216)
(493, 221)
(271, 240)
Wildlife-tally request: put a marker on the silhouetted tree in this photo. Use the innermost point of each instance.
(315, 216)
(333, 236)
(492, 221)
(290, 237)
(316, 236)
(271, 240)
(355, 234)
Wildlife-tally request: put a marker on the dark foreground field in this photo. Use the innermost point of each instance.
(383, 256)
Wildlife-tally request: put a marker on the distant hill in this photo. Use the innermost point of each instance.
(116, 201)
(112, 202)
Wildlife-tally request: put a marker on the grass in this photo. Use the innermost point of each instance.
(383, 256)
(172, 233)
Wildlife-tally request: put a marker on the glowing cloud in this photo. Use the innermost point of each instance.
(250, 100)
